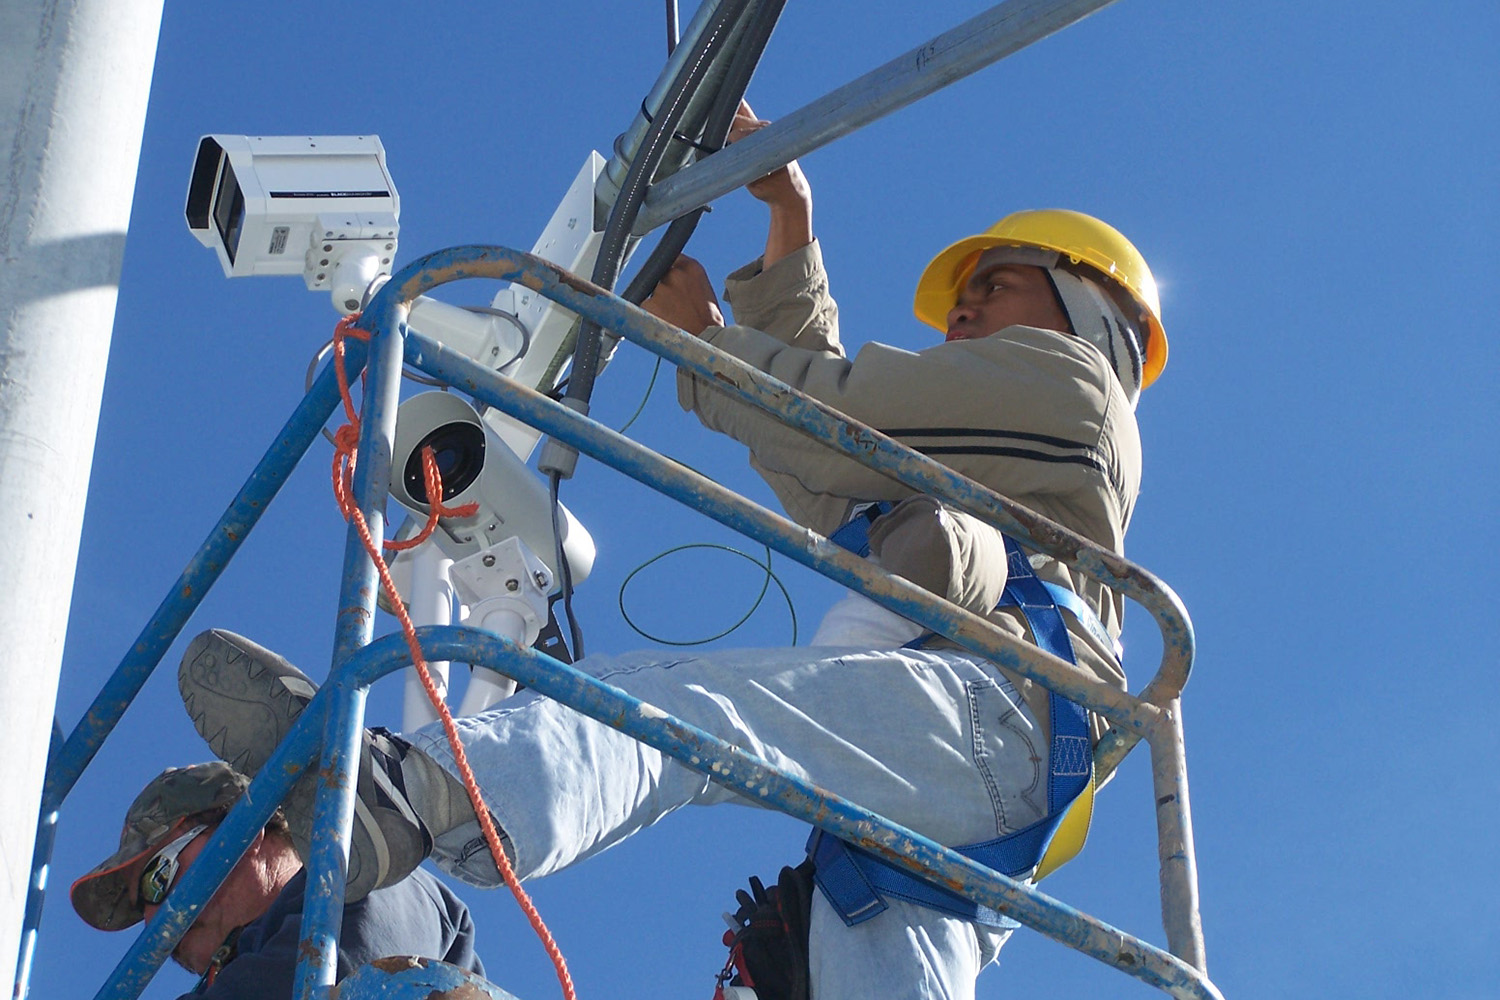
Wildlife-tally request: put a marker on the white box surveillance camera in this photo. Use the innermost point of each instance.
(293, 204)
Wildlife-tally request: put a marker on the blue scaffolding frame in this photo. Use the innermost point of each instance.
(328, 732)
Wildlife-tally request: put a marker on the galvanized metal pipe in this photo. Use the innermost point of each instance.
(700, 102)
(628, 143)
(650, 159)
(333, 812)
(971, 46)
(200, 574)
(1174, 841)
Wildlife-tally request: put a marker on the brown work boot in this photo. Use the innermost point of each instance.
(243, 699)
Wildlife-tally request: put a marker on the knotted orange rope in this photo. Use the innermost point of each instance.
(345, 440)
(346, 443)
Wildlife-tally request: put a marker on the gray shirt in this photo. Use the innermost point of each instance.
(416, 916)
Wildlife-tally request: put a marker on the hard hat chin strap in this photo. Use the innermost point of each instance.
(1097, 319)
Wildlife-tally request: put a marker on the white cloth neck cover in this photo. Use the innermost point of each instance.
(1097, 319)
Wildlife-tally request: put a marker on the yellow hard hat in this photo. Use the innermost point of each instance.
(1081, 238)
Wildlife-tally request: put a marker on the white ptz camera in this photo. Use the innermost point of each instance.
(323, 206)
(476, 465)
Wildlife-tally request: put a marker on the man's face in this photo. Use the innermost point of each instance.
(1003, 295)
(215, 921)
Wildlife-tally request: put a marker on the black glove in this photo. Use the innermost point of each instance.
(768, 953)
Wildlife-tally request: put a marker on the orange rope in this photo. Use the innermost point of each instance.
(345, 440)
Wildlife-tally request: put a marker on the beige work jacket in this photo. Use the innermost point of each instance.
(1033, 414)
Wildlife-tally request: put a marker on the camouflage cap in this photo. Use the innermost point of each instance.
(108, 897)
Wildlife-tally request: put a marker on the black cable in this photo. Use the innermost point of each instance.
(680, 136)
(667, 249)
(741, 68)
(627, 206)
(653, 148)
(765, 586)
(565, 572)
(715, 131)
(720, 118)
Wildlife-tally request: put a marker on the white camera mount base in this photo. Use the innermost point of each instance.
(348, 269)
(505, 590)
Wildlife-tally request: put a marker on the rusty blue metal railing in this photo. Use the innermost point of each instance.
(723, 763)
(1154, 715)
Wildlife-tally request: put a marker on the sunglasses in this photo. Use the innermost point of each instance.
(162, 870)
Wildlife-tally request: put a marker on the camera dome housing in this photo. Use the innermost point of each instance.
(478, 467)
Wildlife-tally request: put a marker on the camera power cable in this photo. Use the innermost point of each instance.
(627, 205)
(765, 586)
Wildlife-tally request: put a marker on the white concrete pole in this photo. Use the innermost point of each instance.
(74, 80)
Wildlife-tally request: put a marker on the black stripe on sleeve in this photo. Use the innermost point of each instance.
(1027, 453)
(984, 432)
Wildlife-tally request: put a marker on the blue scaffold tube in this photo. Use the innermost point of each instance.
(202, 571)
(754, 521)
(333, 811)
(819, 421)
(777, 789)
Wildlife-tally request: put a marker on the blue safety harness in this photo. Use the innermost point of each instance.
(856, 882)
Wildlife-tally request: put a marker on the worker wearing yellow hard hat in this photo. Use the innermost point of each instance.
(1052, 328)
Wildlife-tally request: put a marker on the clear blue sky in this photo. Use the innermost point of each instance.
(1314, 185)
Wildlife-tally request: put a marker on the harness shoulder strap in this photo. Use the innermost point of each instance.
(854, 534)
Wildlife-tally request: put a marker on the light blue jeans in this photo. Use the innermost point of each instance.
(936, 741)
